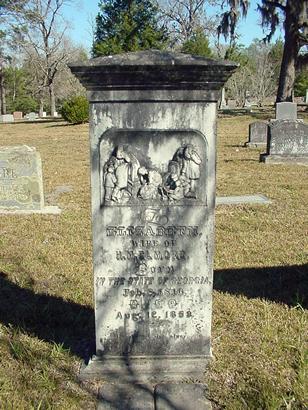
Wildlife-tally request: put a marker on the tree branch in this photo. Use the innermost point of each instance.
(272, 3)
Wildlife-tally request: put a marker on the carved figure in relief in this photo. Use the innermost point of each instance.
(175, 184)
(150, 181)
(119, 176)
(191, 169)
(110, 181)
(189, 162)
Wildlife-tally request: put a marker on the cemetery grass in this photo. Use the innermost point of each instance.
(259, 302)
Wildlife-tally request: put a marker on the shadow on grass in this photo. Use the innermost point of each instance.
(48, 317)
(54, 319)
(37, 121)
(242, 160)
(66, 124)
(282, 284)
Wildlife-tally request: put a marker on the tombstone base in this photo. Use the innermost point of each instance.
(145, 369)
(255, 144)
(182, 396)
(169, 396)
(282, 159)
(126, 396)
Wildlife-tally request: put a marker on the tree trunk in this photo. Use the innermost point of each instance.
(2, 96)
(52, 100)
(41, 109)
(290, 55)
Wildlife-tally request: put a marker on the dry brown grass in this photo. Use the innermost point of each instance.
(259, 322)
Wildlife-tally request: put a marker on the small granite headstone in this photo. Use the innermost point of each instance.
(6, 118)
(32, 116)
(306, 97)
(153, 154)
(286, 111)
(21, 185)
(21, 182)
(232, 103)
(18, 115)
(287, 142)
(257, 134)
(44, 114)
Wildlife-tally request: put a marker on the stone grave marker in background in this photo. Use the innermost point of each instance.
(247, 102)
(18, 115)
(153, 149)
(257, 134)
(6, 118)
(232, 103)
(287, 142)
(32, 116)
(286, 111)
(21, 182)
(223, 103)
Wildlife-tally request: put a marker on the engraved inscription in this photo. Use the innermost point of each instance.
(7, 173)
(147, 230)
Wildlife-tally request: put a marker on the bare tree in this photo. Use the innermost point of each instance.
(2, 88)
(186, 17)
(238, 85)
(40, 31)
(263, 74)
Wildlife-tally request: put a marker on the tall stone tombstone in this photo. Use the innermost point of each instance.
(153, 149)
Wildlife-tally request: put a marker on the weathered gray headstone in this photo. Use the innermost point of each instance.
(223, 103)
(247, 102)
(32, 116)
(152, 136)
(21, 185)
(306, 97)
(6, 118)
(21, 182)
(18, 115)
(231, 103)
(287, 142)
(257, 134)
(286, 111)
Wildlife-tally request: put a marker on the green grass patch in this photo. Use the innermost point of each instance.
(259, 319)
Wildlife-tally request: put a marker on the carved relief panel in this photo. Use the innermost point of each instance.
(163, 167)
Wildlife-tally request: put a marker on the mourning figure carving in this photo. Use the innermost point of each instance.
(125, 179)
